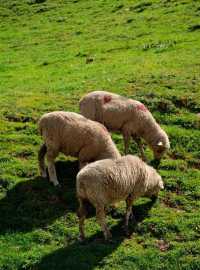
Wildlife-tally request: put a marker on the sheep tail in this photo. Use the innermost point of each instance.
(42, 152)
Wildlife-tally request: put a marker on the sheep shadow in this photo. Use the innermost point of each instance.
(94, 250)
(35, 203)
(81, 256)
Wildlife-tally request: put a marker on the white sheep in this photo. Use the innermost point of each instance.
(73, 135)
(128, 116)
(106, 182)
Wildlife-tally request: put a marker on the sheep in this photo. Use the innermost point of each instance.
(73, 135)
(128, 116)
(107, 181)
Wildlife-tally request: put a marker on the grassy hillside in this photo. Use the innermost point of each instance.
(54, 51)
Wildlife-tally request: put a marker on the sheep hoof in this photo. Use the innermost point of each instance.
(128, 235)
(55, 183)
(81, 239)
(132, 218)
(109, 241)
(58, 186)
(126, 231)
(43, 174)
(113, 212)
(154, 198)
(107, 236)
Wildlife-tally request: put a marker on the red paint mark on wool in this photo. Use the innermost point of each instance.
(104, 128)
(107, 99)
(141, 107)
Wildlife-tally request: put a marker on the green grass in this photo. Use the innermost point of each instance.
(52, 52)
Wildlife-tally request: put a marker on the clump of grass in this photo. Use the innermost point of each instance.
(160, 46)
(141, 6)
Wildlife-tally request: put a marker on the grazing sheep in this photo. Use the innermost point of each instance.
(109, 181)
(128, 116)
(73, 135)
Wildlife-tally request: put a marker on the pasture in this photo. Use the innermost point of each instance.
(51, 53)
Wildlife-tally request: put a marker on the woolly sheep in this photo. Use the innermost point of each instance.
(105, 182)
(128, 116)
(73, 135)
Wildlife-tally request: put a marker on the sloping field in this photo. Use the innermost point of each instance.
(51, 53)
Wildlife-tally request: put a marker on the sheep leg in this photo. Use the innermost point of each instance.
(141, 148)
(129, 213)
(51, 155)
(101, 219)
(82, 212)
(41, 160)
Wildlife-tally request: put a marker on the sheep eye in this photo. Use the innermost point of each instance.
(159, 151)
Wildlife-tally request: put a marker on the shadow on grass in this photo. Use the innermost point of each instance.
(36, 203)
(91, 254)
(82, 256)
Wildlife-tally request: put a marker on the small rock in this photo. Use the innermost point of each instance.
(162, 245)
(89, 60)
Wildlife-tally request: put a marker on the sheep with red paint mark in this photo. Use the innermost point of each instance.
(128, 116)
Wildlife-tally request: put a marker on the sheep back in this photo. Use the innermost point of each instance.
(70, 132)
(108, 181)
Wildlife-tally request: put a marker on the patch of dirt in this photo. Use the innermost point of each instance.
(141, 7)
(42, 9)
(194, 164)
(118, 8)
(172, 204)
(176, 155)
(165, 106)
(186, 102)
(20, 118)
(32, 2)
(23, 155)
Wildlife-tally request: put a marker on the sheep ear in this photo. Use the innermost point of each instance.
(161, 185)
(160, 144)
